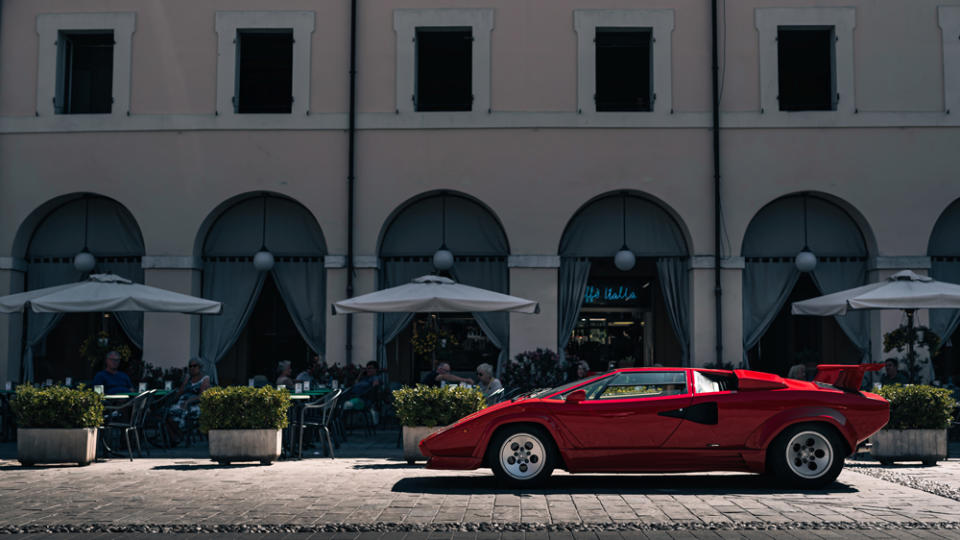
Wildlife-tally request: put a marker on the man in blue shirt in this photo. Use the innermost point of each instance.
(113, 381)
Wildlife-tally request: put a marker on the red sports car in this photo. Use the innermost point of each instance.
(670, 420)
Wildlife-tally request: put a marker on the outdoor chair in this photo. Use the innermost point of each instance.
(126, 418)
(153, 429)
(318, 414)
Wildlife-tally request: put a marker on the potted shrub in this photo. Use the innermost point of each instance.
(57, 424)
(917, 430)
(533, 369)
(244, 423)
(424, 409)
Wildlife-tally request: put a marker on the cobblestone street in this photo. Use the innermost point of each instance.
(185, 491)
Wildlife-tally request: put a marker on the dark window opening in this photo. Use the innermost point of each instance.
(623, 69)
(805, 59)
(86, 72)
(264, 71)
(444, 69)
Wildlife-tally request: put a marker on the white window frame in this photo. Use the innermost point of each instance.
(405, 24)
(841, 19)
(49, 26)
(660, 23)
(229, 22)
(949, 20)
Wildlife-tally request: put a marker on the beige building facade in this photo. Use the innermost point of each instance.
(174, 152)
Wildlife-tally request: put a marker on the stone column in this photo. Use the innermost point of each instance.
(534, 277)
(703, 344)
(12, 279)
(170, 339)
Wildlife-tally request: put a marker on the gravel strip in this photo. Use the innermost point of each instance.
(484, 527)
(935, 488)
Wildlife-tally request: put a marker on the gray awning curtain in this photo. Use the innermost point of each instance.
(296, 241)
(944, 251)
(599, 231)
(112, 235)
(475, 238)
(774, 237)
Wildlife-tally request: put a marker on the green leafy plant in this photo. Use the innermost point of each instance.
(243, 407)
(57, 407)
(902, 337)
(918, 406)
(434, 406)
(534, 369)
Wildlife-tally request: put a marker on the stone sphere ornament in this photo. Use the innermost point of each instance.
(84, 261)
(806, 261)
(263, 261)
(624, 260)
(443, 259)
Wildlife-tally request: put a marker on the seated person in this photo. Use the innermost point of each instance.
(798, 372)
(366, 381)
(315, 373)
(583, 370)
(284, 371)
(113, 381)
(442, 375)
(188, 402)
(488, 383)
(892, 373)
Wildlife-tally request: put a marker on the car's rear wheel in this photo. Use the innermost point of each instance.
(807, 455)
(521, 455)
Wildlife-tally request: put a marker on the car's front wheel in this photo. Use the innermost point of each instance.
(521, 456)
(807, 455)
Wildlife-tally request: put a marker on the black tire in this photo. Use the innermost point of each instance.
(807, 456)
(531, 450)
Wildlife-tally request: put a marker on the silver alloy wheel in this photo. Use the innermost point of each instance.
(522, 456)
(809, 454)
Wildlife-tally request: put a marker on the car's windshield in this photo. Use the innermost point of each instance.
(562, 389)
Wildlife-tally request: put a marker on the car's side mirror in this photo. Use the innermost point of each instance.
(576, 396)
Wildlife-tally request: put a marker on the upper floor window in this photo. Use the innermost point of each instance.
(805, 68)
(444, 69)
(623, 69)
(264, 71)
(806, 59)
(263, 62)
(443, 60)
(85, 72)
(84, 63)
(624, 60)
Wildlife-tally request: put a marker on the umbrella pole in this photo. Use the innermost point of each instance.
(911, 338)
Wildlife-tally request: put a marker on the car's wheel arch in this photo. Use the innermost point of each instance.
(556, 439)
(764, 435)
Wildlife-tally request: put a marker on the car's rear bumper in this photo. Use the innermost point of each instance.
(453, 463)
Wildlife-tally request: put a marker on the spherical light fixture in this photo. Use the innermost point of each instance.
(624, 260)
(806, 261)
(263, 260)
(443, 259)
(84, 261)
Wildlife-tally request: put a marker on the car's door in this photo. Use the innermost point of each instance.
(631, 411)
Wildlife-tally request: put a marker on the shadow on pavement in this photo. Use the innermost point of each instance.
(393, 465)
(616, 484)
(204, 466)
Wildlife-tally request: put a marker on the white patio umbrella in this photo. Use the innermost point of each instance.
(434, 294)
(904, 290)
(106, 292)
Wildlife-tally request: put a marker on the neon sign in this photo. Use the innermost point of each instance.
(615, 293)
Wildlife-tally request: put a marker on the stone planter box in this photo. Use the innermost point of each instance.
(412, 435)
(229, 445)
(926, 445)
(56, 445)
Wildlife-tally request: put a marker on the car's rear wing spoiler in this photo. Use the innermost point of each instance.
(844, 376)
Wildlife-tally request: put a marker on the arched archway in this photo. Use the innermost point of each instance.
(412, 234)
(52, 235)
(944, 252)
(637, 316)
(267, 316)
(774, 339)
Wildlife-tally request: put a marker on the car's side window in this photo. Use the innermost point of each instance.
(644, 385)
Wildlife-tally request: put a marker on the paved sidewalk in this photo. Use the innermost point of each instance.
(185, 489)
